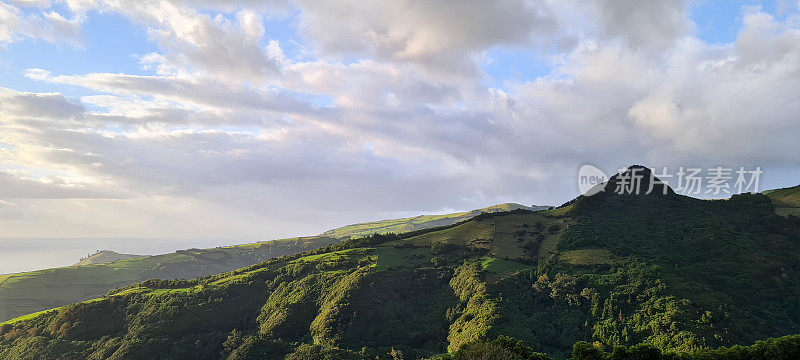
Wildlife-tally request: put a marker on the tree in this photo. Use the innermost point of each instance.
(585, 351)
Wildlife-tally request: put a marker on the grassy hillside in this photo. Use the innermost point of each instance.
(786, 201)
(105, 256)
(675, 273)
(418, 222)
(35, 291)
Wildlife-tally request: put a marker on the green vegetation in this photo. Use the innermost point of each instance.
(784, 348)
(590, 257)
(419, 222)
(28, 316)
(501, 267)
(606, 277)
(786, 201)
(506, 348)
(39, 290)
(105, 256)
(46, 289)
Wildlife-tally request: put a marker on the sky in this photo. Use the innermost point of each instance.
(208, 119)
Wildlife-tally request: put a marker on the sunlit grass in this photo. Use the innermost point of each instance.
(28, 316)
(5, 277)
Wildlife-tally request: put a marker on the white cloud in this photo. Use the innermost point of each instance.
(195, 91)
(387, 113)
(19, 186)
(648, 25)
(441, 35)
(50, 26)
(736, 103)
(50, 106)
(228, 48)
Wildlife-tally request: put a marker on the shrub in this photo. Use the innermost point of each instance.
(502, 348)
(442, 247)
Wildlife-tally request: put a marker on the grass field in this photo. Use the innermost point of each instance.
(105, 256)
(27, 317)
(502, 267)
(418, 222)
(44, 289)
(561, 211)
(786, 201)
(500, 236)
(328, 257)
(786, 196)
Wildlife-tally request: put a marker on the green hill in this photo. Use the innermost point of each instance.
(34, 291)
(419, 222)
(105, 256)
(674, 273)
(786, 201)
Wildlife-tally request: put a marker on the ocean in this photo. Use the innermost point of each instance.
(19, 255)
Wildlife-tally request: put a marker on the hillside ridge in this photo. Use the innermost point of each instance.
(420, 222)
(105, 256)
(34, 291)
(607, 272)
(674, 272)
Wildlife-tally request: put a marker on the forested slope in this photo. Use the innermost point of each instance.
(33, 291)
(677, 274)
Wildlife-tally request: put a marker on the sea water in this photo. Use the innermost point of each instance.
(18, 255)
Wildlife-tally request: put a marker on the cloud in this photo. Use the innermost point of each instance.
(51, 26)
(648, 25)
(732, 103)
(386, 116)
(194, 91)
(37, 105)
(18, 186)
(370, 84)
(441, 35)
(229, 48)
